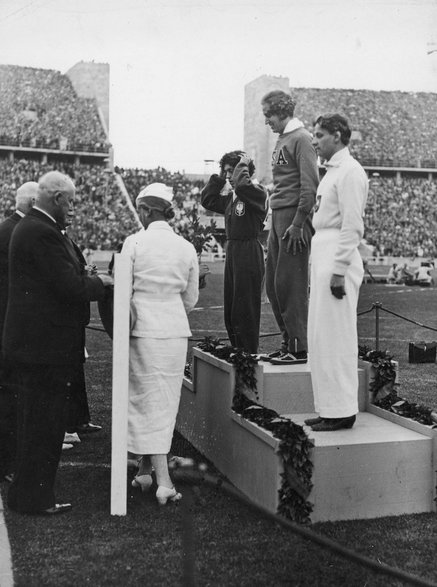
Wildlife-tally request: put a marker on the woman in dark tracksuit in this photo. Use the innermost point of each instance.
(244, 209)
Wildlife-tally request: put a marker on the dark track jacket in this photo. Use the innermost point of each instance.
(244, 216)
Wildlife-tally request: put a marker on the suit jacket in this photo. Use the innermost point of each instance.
(6, 228)
(48, 295)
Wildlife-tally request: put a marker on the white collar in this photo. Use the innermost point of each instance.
(44, 212)
(292, 125)
(338, 158)
(159, 225)
(20, 213)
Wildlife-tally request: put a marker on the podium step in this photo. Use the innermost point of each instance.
(377, 468)
(287, 389)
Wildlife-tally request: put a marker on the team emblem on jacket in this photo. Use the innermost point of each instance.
(278, 157)
(240, 209)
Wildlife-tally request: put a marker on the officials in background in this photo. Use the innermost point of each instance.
(244, 209)
(43, 339)
(336, 275)
(24, 200)
(295, 178)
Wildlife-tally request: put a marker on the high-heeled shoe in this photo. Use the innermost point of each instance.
(164, 494)
(144, 482)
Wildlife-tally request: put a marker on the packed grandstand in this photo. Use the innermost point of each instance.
(40, 110)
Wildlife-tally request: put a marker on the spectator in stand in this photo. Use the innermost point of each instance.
(295, 177)
(336, 275)
(43, 340)
(24, 200)
(244, 208)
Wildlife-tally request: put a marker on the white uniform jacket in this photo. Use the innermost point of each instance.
(165, 287)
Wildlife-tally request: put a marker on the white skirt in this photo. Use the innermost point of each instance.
(332, 330)
(156, 369)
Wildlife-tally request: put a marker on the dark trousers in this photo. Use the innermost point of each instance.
(244, 272)
(8, 420)
(43, 396)
(78, 412)
(287, 282)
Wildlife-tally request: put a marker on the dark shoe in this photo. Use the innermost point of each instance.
(290, 359)
(273, 355)
(87, 428)
(312, 421)
(58, 508)
(332, 424)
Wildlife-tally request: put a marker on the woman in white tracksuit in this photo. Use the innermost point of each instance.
(336, 276)
(165, 288)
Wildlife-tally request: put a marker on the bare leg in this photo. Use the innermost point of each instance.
(159, 463)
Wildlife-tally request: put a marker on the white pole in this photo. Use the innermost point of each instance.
(120, 382)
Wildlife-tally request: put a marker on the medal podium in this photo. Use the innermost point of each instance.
(385, 465)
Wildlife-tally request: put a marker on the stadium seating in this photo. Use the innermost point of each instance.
(39, 108)
(390, 128)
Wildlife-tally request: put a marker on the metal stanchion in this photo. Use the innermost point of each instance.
(377, 306)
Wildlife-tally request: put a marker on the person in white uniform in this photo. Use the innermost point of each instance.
(165, 289)
(336, 275)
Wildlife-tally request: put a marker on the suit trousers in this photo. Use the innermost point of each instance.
(244, 272)
(43, 396)
(78, 412)
(287, 282)
(8, 420)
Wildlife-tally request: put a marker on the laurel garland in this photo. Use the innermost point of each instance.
(384, 389)
(295, 447)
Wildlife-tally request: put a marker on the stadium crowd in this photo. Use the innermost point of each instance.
(390, 128)
(40, 108)
(102, 218)
(401, 216)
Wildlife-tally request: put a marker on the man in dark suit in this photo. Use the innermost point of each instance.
(43, 338)
(24, 200)
(78, 418)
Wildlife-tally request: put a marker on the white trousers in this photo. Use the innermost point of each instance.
(332, 330)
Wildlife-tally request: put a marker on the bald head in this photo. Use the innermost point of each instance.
(56, 193)
(26, 196)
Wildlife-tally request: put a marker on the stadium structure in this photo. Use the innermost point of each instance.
(50, 120)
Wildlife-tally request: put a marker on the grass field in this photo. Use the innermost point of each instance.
(233, 544)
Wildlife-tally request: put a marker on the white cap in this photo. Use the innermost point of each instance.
(157, 190)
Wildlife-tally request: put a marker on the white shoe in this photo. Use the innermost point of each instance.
(71, 438)
(164, 494)
(66, 446)
(144, 482)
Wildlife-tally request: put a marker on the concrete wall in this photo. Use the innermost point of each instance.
(91, 80)
(259, 140)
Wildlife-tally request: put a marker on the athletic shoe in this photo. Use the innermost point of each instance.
(290, 359)
(273, 355)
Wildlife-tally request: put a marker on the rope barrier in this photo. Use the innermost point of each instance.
(376, 306)
(204, 478)
(408, 319)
